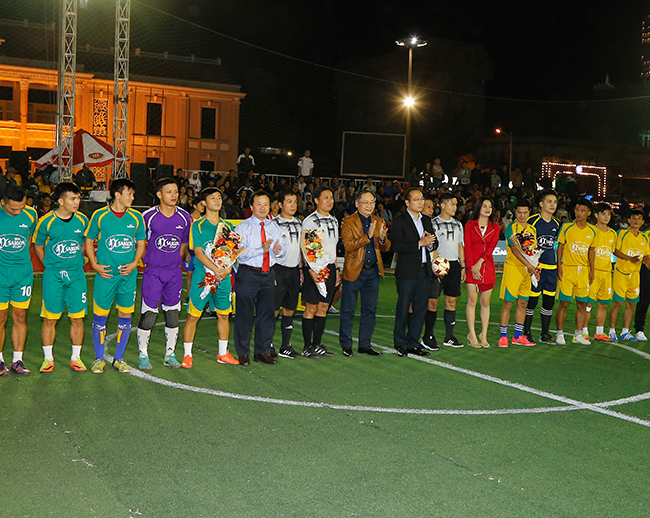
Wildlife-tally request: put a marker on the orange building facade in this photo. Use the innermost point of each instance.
(186, 124)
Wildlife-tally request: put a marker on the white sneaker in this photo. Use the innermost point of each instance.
(641, 337)
(560, 339)
(612, 336)
(581, 339)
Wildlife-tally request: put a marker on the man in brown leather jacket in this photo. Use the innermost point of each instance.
(364, 238)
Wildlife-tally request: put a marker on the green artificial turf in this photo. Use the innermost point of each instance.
(116, 445)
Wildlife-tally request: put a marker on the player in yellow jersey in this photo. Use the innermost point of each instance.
(631, 249)
(600, 270)
(573, 272)
(644, 298)
(516, 280)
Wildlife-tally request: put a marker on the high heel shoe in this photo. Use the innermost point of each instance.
(484, 342)
(474, 344)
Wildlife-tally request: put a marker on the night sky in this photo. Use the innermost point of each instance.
(544, 50)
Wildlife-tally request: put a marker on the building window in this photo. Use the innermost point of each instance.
(207, 165)
(208, 123)
(154, 119)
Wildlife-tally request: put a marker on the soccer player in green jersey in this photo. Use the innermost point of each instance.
(59, 244)
(17, 224)
(120, 235)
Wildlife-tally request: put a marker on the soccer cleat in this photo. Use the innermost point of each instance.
(171, 361)
(227, 358)
(430, 343)
(122, 366)
(3, 369)
(98, 366)
(546, 339)
(582, 339)
(523, 340)
(603, 338)
(309, 352)
(503, 341)
(187, 362)
(272, 352)
(560, 339)
(322, 351)
(143, 363)
(19, 368)
(77, 365)
(452, 341)
(612, 336)
(641, 337)
(47, 366)
(629, 337)
(333, 310)
(288, 352)
(529, 336)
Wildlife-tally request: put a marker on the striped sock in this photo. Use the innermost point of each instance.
(519, 329)
(504, 331)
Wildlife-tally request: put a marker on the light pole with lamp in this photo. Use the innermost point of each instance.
(409, 43)
(499, 131)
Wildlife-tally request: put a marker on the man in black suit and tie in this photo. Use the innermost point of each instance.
(413, 240)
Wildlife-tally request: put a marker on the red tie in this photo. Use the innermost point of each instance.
(266, 263)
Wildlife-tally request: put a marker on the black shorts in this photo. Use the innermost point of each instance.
(450, 283)
(287, 287)
(310, 293)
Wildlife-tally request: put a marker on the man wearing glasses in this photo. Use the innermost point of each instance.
(364, 238)
(413, 240)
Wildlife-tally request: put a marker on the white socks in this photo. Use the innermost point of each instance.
(223, 347)
(187, 348)
(47, 352)
(171, 337)
(143, 341)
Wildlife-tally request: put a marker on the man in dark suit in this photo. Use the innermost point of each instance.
(364, 238)
(413, 240)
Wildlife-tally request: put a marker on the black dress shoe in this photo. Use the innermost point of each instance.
(370, 352)
(265, 358)
(348, 353)
(244, 360)
(402, 353)
(420, 351)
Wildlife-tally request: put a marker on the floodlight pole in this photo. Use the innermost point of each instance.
(121, 86)
(66, 88)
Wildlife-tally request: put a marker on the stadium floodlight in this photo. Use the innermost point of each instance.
(410, 43)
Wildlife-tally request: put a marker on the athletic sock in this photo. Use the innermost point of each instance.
(123, 332)
(18, 356)
(625, 330)
(450, 321)
(143, 341)
(548, 301)
(76, 353)
(612, 330)
(99, 335)
(430, 322)
(171, 337)
(47, 352)
(577, 332)
(519, 329)
(187, 348)
(319, 329)
(287, 329)
(585, 330)
(307, 331)
(560, 333)
(2, 357)
(600, 330)
(223, 347)
(530, 313)
(504, 331)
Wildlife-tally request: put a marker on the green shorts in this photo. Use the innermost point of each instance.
(64, 288)
(118, 288)
(16, 286)
(221, 301)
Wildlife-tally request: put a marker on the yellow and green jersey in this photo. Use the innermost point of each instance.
(577, 242)
(116, 236)
(516, 228)
(634, 246)
(604, 245)
(15, 234)
(201, 235)
(62, 239)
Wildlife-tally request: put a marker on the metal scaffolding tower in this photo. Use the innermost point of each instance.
(121, 88)
(66, 89)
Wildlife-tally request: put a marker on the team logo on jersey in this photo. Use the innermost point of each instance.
(634, 252)
(120, 243)
(579, 248)
(545, 241)
(179, 227)
(22, 225)
(12, 243)
(66, 249)
(603, 252)
(168, 243)
(130, 226)
(77, 231)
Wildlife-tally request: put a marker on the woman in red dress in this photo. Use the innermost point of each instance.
(481, 237)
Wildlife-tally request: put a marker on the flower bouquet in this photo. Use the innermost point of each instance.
(223, 252)
(315, 256)
(526, 243)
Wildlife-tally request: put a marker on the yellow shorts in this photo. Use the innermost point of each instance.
(601, 289)
(515, 283)
(575, 281)
(626, 286)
